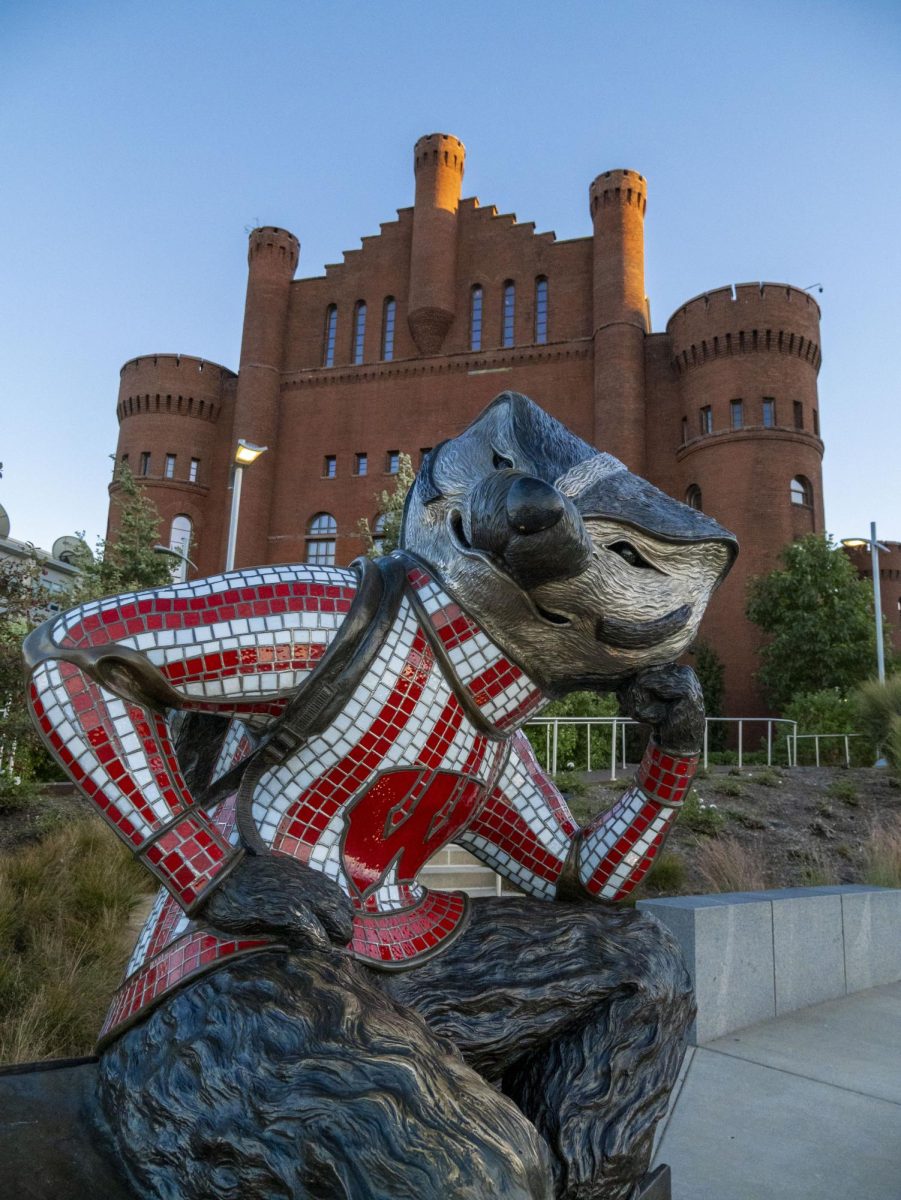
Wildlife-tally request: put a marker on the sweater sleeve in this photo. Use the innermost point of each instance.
(527, 834)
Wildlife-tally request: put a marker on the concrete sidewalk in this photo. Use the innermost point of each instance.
(803, 1107)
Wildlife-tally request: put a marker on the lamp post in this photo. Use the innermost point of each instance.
(245, 454)
(874, 547)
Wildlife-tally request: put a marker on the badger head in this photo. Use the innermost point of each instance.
(581, 571)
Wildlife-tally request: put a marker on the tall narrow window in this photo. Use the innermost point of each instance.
(194, 470)
(169, 472)
(361, 465)
(509, 313)
(706, 419)
(769, 412)
(145, 462)
(737, 412)
(125, 458)
(816, 422)
(475, 319)
(330, 466)
(684, 430)
(798, 408)
(693, 497)
(801, 491)
(378, 533)
(321, 534)
(392, 462)
(388, 316)
(541, 310)
(331, 329)
(180, 542)
(359, 330)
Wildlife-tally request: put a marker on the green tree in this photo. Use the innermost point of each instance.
(819, 617)
(124, 563)
(391, 507)
(709, 669)
(128, 561)
(23, 600)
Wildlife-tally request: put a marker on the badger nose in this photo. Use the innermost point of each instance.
(533, 505)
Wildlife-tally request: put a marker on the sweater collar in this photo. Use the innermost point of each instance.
(481, 672)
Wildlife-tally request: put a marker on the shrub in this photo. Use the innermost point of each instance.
(878, 710)
(766, 778)
(827, 711)
(572, 741)
(726, 786)
(844, 790)
(64, 907)
(725, 865)
(748, 820)
(817, 870)
(701, 816)
(882, 853)
(571, 783)
(667, 874)
(726, 758)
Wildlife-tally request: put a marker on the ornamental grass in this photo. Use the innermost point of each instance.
(65, 904)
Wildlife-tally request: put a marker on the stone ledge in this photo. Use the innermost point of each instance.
(756, 955)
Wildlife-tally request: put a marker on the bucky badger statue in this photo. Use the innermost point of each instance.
(301, 1018)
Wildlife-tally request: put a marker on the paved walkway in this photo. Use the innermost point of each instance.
(805, 1107)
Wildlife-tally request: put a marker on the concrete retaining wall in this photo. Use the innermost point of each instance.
(757, 955)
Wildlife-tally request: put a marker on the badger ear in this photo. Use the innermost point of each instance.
(425, 484)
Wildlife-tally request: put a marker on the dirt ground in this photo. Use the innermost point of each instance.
(804, 825)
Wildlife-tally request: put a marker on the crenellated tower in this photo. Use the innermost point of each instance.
(746, 360)
(617, 201)
(172, 411)
(272, 257)
(438, 161)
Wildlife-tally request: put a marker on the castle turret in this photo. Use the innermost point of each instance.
(749, 453)
(171, 435)
(272, 258)
(438, 165)
(618, 200)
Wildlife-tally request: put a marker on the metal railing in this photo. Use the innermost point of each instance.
(846, 737)
(791, 748)
(618, 726)
(552, 725)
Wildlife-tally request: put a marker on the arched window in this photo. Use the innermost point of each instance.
(801, 491)
(389, 313)
(378, 533)
(180, 541)
(321, 533)
(331, 328)
(475, 319)
(509, 313)
(693, 497)
(359, 331)
(541, 310)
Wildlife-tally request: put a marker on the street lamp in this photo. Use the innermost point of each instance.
(245, 454)
(874, 547)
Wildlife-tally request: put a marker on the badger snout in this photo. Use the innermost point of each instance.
(528, 528)
(533, 505)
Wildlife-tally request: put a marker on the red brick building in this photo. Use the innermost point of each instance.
(404, 341)
(889, 584)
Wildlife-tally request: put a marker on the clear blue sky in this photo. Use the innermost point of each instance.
(141, 140)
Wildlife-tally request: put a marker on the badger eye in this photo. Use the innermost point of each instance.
(499, 462)
(629, 554)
